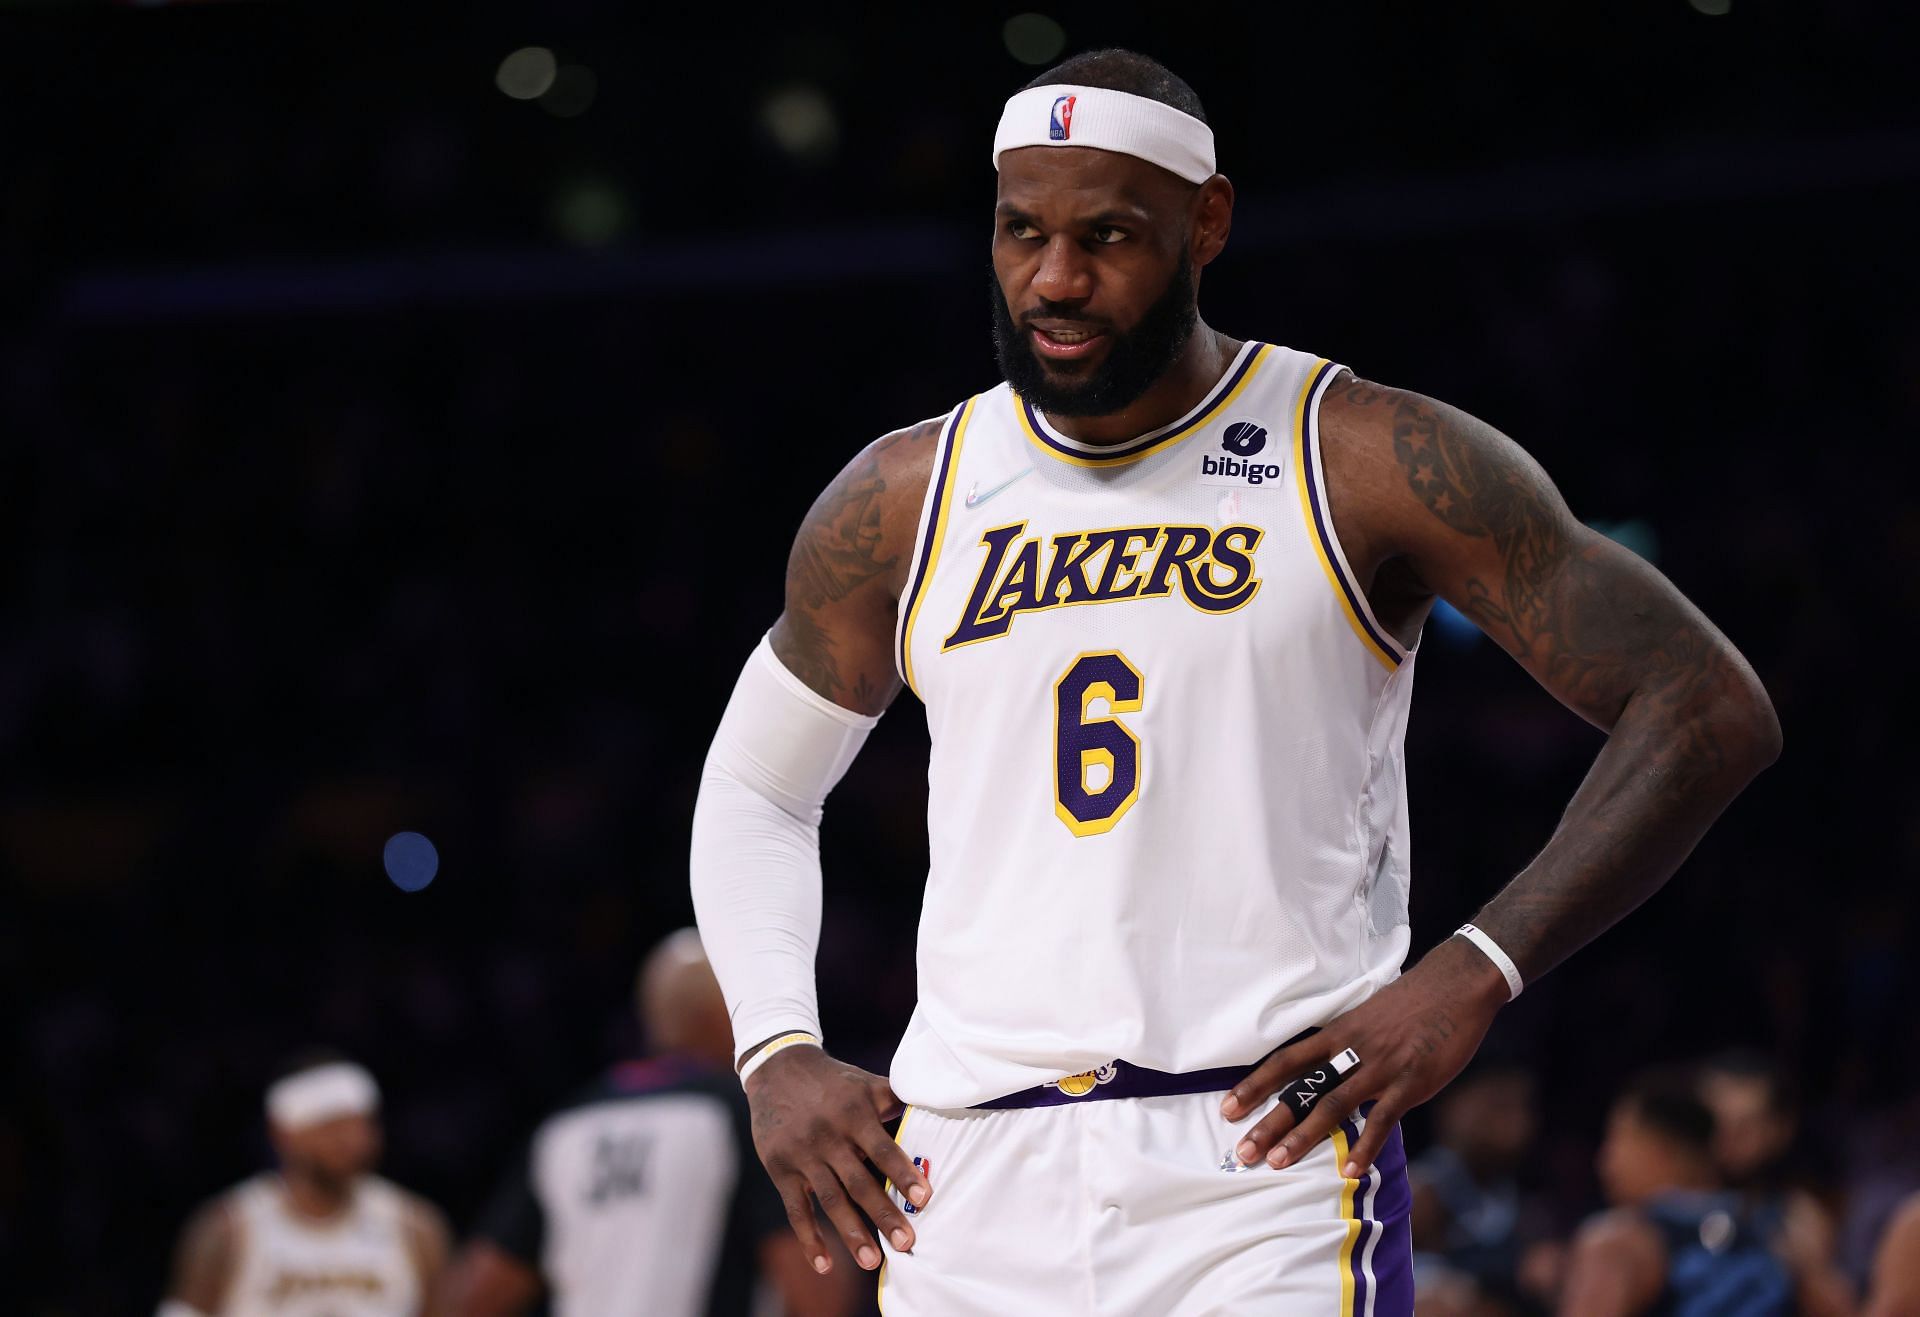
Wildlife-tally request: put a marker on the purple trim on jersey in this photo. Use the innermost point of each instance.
(1136, 1081)
(1308, 420)
(1389, 1273)
(1357, 1260)
(1139, 446)
(1129, 1081)
(933, 528)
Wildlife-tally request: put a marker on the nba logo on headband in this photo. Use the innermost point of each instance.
(1060, 122)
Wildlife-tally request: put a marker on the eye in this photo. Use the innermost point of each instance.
(1021, 230)
(1106, 235)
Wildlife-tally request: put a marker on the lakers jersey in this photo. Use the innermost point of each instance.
(355, 1264)
(1167, 812)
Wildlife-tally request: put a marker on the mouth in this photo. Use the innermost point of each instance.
(1065, 342)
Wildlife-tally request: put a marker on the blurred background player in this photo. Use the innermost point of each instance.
(1677, 1242)
(643, 1195)
(324, 1236)
(1756, 1132)
(1481, 1240)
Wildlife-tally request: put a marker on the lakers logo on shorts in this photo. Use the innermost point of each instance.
(1087, 1080)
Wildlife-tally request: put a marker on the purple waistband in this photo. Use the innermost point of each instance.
(1123, 1079)
(1118, 1079)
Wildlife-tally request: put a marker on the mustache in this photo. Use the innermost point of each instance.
(1071, 315)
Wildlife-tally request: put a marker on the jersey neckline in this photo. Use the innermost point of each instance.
(1043, 436)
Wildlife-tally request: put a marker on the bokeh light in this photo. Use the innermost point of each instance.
(411, 860)
(527, 73)
(1034, 38)
(801, 120)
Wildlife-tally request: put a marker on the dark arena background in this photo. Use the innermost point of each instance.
(407, 410)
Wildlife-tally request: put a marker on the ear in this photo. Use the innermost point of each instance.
(1212, 220)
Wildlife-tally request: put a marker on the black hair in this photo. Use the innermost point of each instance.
(1668, 1101)
(1749, 1063)
(1128, 71)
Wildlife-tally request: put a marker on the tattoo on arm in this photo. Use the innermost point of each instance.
(836, 634)
(1689, 724)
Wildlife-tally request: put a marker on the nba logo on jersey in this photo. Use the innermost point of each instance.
(1060, 124)
(924, 1165)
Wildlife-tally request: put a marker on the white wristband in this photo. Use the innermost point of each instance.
(779, 1044)
(1501, 960)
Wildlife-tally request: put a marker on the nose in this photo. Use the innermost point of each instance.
(1064, 275)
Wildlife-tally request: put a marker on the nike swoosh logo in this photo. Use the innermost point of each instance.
(975, 498)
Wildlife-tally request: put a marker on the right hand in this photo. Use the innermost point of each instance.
(817, 1124)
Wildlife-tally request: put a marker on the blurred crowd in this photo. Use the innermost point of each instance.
(1719, 1192)
(294, 573)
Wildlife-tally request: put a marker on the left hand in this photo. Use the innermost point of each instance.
(1412, 1037)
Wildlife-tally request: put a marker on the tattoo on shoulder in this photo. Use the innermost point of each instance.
(1481, 485)
(1598, 625)
(841, 547)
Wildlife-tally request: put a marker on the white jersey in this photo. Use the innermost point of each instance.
(355, 1264)
(1167, 814)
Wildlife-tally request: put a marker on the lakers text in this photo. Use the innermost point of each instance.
(1212, 569)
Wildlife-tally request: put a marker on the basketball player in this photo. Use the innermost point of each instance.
(1161, 593)
(324, 1236)
(1677, 1241)
(642, 1196)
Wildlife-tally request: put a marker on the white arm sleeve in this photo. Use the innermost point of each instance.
(756, 844)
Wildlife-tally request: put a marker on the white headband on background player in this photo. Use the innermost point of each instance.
(323, 1093)
(1066, 115)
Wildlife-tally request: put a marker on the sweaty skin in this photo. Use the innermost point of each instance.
(1428, 503)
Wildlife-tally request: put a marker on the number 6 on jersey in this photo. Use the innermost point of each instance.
(1096, 760)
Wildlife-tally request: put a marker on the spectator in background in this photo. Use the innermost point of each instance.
(324, 1234)
(1677, 1242)
(644, 1195)
(1896, 1266)
(1476, 1241)
(1756, 1125)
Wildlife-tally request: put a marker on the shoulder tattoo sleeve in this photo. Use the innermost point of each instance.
(846, 570)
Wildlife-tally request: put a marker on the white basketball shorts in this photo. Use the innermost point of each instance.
(1127, 1208)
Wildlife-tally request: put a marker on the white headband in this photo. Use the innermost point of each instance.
(1064, 115)
(321, 1094)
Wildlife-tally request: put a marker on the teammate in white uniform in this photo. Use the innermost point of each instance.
(1161, 594)
(324, 1237)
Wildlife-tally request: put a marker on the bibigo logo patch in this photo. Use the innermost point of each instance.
(1235, 462)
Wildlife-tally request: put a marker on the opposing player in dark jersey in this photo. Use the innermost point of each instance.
(641, 1197)
(1677, 1242)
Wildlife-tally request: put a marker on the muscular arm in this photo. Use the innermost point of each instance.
(1476, 521)
(203, 1262)
(1430, 502)
(817, 1123)
(848, 569)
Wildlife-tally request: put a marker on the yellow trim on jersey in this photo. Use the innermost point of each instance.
(1347, 1214)
(1303, 455)
(940, 512)
(1259, 358)
(880, 1291)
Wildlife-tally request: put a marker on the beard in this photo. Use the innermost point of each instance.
(1135, 359)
